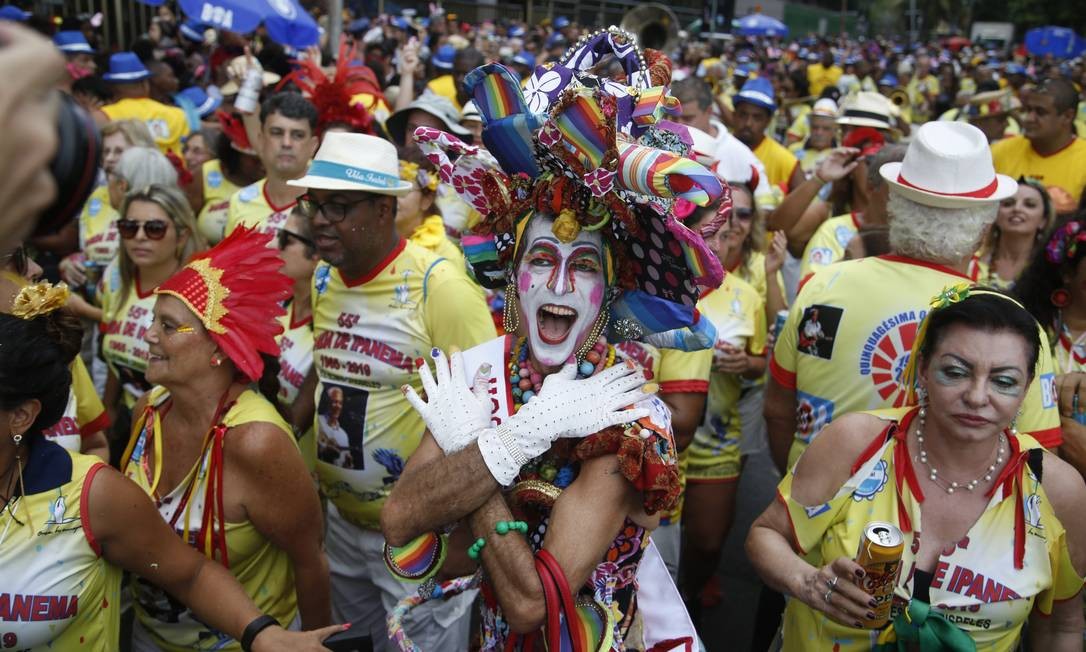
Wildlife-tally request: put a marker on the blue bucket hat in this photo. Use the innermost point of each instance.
(125, 67)
(561, 22)
(201, 102)
(443, 58)
(11, 12)
(888, 80)
(525, 58)
(516, 31)
(759, 92)
(72, 42)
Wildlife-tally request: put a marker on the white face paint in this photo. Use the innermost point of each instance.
(561, 288)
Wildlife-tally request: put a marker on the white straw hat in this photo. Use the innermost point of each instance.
(355, 162)
(867, 109)
(948, 165)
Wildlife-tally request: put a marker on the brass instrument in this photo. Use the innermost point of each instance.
(900, 98)
(654, 25)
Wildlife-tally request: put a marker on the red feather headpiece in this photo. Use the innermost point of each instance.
(237, 290)
(234, 129)
(332, 97)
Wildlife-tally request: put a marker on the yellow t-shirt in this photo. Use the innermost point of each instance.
(753, 273)
(819, 77)
(800, 126)
(918, 90)
(1069, 353)
(1066, 169)
(295, 363)
(168, 124)
(98, 236)
(375, 105)
(56, 590)
(974, 585)
(827, 245)
(808, 158)
(84, 414)
(445, 86)
(125, 320)
(847, 340)
(369, 336)
(217, 192)
(778, 161)
(738, 314)
(431, 235)
(251, 207)
(263, 570)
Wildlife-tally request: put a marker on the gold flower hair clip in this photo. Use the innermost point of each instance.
(951, 295)
(40, 299)
(413, 173)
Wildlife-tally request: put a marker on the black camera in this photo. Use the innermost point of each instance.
(75, 166)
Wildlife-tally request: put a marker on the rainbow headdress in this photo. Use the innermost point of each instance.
(599, 155)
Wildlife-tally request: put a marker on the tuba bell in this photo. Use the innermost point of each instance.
(900, 98)
(654, 25)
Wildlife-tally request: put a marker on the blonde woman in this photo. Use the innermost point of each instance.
(158, 234)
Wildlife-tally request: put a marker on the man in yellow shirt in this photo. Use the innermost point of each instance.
(128, 78)
(1049, 150)
(823, 74)
(288, 125)
(754, 107)
(451, 86)
(380, 305)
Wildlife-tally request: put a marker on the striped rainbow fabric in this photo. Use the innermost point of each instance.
(653, 104)
(584, 130)
(650, 171)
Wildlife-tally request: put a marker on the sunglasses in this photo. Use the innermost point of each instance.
(286, 236)
(333, 211)
(17, 259)
(153, 229)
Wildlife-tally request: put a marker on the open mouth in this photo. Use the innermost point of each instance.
(554, 322)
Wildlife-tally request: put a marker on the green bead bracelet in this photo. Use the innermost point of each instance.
(476, 548)
(505, 527)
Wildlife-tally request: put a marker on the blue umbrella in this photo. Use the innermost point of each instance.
(1058, 41)
(287, 23)
(761, 25)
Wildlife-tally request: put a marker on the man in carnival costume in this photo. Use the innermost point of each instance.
(558, 461)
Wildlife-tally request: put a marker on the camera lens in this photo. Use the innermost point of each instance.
(75, 166)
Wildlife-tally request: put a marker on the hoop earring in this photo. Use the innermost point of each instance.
(594, 334)
(511, 310)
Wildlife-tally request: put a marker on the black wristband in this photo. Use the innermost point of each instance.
(258, 625)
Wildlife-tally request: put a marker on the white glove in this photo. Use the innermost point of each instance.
(564, 407)
(454, 412)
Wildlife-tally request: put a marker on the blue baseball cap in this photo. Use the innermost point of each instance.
(525, 58)
(358, 25)
(759, 92)
(400, 22)
(1014, 69)
(561, 22)
(443, 58)
(888, 80)
(516, 31)
(11, 12)
(203, 103)
(125, 67)
(72, 42)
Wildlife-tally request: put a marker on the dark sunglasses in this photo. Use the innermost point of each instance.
(333, 211)
(153, 229)
(17, 259)
(286, 236)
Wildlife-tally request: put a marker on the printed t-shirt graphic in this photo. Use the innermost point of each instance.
(827, 245)
(216, 209)
(370, 335)
(98, 236)
(125, 320)
(847, 339)
(83, 415)
(56, 591)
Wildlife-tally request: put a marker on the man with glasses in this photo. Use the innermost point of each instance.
(288, 128)
(380, 305)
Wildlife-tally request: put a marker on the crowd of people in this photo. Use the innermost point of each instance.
(460, 336)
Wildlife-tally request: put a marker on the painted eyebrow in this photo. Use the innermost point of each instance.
(579, 243)
(968, 364)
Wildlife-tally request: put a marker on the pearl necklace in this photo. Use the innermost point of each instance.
(933, 473)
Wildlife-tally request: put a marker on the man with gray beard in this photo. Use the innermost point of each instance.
(848, 334)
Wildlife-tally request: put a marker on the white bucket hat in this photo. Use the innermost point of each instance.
(948, 165)
(355, 162)
(867, 109)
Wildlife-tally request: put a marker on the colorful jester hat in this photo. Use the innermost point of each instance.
(237, 291)
(598, 155)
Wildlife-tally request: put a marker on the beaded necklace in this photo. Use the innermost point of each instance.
(526, 381)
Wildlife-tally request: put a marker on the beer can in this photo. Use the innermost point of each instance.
(778, 323)
(880, 555)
